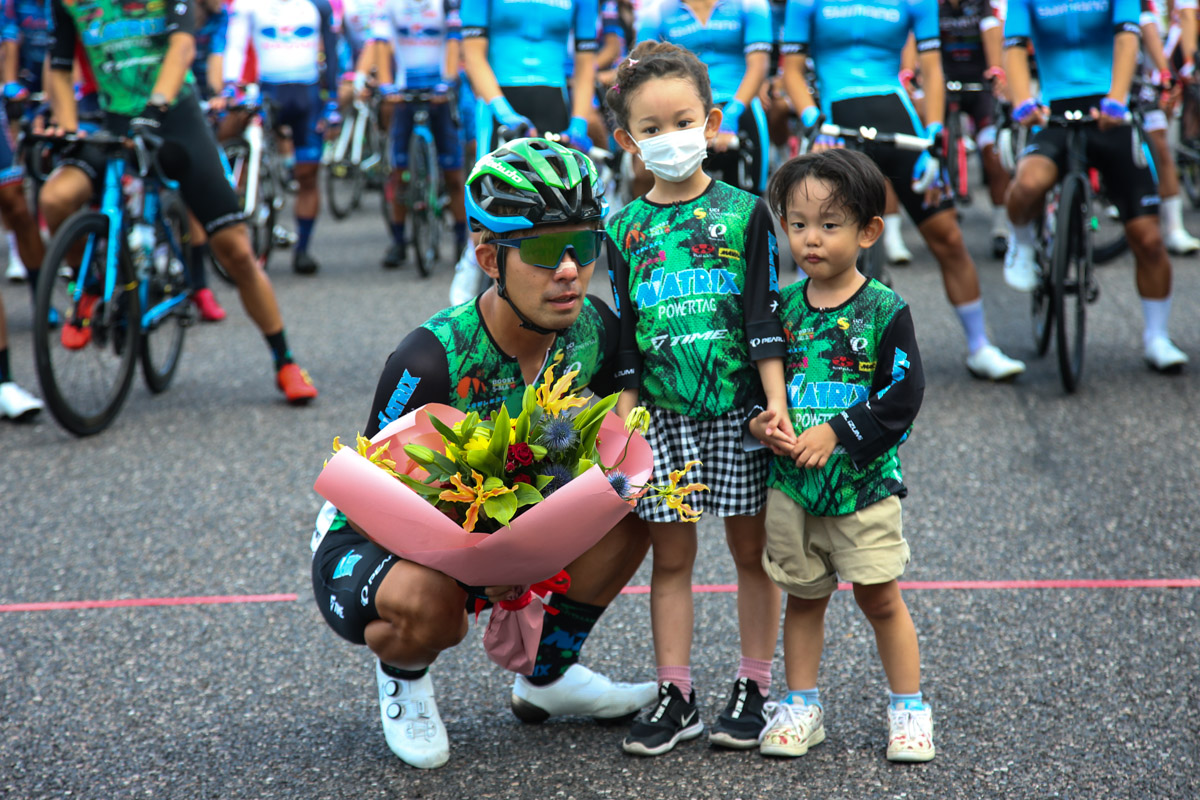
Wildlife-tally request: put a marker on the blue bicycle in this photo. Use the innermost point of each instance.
(115, 288)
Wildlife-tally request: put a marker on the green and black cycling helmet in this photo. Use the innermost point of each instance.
(533, 182)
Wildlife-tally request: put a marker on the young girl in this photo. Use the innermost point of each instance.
(694, 278)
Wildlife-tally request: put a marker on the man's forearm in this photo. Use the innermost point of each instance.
(61, 91)
(1125, 50)
(181, 51)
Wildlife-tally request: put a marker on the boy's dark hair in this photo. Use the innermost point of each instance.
(858, 185)
(655, 60)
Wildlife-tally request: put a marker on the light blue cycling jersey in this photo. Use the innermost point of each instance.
(856, 44)
(528, 39)
(1073, 40)
(609, 24)
(734, 29)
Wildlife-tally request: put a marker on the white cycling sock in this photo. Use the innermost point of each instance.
(974, 324)
(1000, 224)
(891, 229)
(1156, 314)
(14, 255)
(1024, 235)
(1170, 211)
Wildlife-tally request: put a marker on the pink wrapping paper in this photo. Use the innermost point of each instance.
(542, 540)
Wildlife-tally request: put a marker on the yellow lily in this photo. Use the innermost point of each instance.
(475, 495)
(638, 420)
(672, 494)
(378, 458)
(555, 396)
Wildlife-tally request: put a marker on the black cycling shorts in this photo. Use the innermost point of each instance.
(980, 107)
(189, 155)
(1130, 187)
(347, 570)
(544, 106)
(887, 112)
(744, 167)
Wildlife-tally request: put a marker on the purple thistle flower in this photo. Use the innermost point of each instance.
(558, 433)
(620, 483)
(560, 476)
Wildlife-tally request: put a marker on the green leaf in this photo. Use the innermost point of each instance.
(529, 400)
(444, 464)
(421, 488)
(420, 454)
(539, 452)
(522, 429)
(446, 431)
(542, 481)
(501, 428)
(493, 483)
(501, 508)
(484, 462)
(583, 466)
(527, 495)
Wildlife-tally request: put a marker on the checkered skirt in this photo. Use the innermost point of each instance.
(737, 480)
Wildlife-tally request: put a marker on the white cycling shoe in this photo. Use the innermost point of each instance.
(469, 280)
(1020, 267)
(16, 403)
(897, 252)
(411, 723)
(1179, 242)
(990, 364)
(580, 693)
(1163, 356)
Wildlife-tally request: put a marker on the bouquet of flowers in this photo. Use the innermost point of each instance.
(501, 501)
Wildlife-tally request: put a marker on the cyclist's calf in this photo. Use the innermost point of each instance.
(1035, 176)
(64, 193)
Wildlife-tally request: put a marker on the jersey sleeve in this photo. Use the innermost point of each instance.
(474, 14)
(181, 18)
(604, 382)
(627, 367)
(9, 30)
(62, 46)
(610, 19)
(416, 373)
(1018, 23)
(760, 297)
(220, 29)
(869, 429)
(756, 27)
(586, 23)
(649, 23)
(329, 45)
(237, 40)
(452, 12)
(988, 18)
(1127, 16)
(797, 27)
(925, 26)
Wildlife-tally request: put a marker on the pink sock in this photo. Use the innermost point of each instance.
(680, 676)
(758, 671)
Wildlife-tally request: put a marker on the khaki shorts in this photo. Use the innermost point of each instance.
(805, 555)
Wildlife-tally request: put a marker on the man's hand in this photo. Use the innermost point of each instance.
(1029, 114)
(1111, 114)
(813, 447)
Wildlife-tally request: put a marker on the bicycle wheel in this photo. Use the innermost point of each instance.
(261, 219)
(165, 296)
(85, 364)
(1072, 279)
(344, 180)
(952, 139)
(1189, 171)
(422, 189)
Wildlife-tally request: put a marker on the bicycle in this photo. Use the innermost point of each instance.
(425, 196)
(117, 278)
(357, 158)
(955, 145)
(1187, 151)
(255, 169)
(872, 261)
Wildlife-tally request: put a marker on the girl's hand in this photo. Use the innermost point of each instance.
(813, 447)
(766, 427)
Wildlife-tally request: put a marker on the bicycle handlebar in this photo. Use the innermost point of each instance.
(863, 135)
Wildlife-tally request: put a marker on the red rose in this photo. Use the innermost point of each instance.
(522, 479)
(521, 453)
(510, 466)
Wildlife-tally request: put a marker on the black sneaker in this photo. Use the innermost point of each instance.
(672, 720)
(999, 245)
(395, 255)
(304, 264)
(742, 720)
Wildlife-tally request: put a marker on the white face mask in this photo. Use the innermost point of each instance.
(674, 156)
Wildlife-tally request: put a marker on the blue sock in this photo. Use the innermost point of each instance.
(971, 317)
(304, 229)
(811, 697)
(906, 700)
(398, 233)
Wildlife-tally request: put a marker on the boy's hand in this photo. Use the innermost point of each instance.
(783, 421)
(767, 428)
(813, 447)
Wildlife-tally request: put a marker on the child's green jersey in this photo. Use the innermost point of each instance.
(856, 367)
(697, 291)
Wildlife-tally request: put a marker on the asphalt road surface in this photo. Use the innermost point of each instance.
(1055, 566)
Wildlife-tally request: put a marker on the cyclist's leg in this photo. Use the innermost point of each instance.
(1178, 240)
(72, 183)
(981, 108)
(306, 136)
(450, 161)
(209, 196)
(401, 132)
(14, 209)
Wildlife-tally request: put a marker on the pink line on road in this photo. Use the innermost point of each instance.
(143, 602)
(1146, 583)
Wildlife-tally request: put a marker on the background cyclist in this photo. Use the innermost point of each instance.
(1085, 67)
(856, 51)
(296, 48)
(424, 39)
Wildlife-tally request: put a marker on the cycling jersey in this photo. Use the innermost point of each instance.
(26, 22)
(124, 41)
(1073, 40)
(734, 29)
(358, 20)
(609, 23)
(696, 290)
(962, 25)
(856, 45)
(210, 40)
(418, 31)
(453, 359)
(528, 39)
(289, 37)
(856, 367)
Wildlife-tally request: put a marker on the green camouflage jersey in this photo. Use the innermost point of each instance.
(697, 291)
(856, 367)
(453, 359)
(125, 41)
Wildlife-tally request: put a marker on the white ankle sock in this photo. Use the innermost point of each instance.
(891, 229)
(1170, 211)
(1156, 314)
(974, 324)
(1024, 235)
